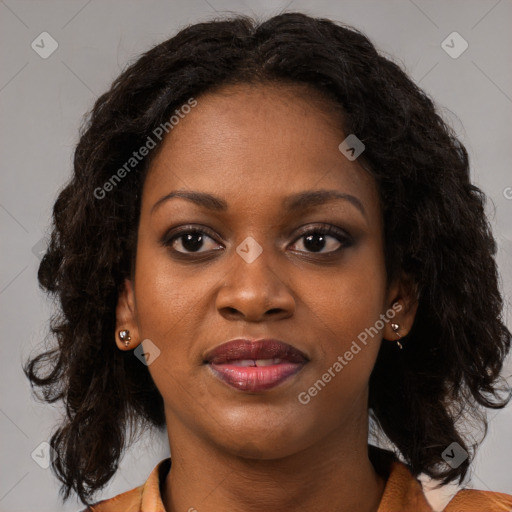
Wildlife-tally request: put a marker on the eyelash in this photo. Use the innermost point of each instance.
(327, 230)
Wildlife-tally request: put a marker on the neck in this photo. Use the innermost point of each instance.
(337, 475)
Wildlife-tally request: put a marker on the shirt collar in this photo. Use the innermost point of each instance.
(402, 490)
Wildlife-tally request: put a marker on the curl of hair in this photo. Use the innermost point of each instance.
(436, 234)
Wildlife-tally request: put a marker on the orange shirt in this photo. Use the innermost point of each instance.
(402, 493)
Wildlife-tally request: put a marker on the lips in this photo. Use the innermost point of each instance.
(255, 365)
(242, 349)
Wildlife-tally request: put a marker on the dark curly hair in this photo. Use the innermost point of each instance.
(435, 231)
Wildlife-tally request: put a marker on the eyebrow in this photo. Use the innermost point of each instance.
(300, 201)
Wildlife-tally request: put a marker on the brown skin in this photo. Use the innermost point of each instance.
(233, 450)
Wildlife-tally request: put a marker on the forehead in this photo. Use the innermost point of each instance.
(256, 143)
(246, 116)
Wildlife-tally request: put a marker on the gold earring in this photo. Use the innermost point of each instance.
(124, 336)
(395, 328)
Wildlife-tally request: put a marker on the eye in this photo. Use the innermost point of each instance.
(189, 239)
(324, 237)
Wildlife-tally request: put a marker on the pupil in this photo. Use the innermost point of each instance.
(315, 246)
(190, 244)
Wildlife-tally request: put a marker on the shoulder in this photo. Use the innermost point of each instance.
(472, 500)
(145, 498)
(128, 501)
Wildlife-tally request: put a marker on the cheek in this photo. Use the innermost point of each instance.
(172, 301)
(161, 303)
(168, 303)
(346, 308)
(351, 298)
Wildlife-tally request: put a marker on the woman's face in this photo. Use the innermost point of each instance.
(258, 269)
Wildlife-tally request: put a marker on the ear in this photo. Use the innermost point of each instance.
(402, 299)
(126, 317)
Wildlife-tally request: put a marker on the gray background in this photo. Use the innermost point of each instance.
(42, 102)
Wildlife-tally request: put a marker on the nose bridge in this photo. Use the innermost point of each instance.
(252, 286)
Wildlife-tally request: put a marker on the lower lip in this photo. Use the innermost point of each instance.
(255, 378)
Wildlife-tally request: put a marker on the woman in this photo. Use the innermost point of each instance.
(270, 237)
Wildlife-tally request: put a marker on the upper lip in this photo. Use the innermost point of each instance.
(241, 348)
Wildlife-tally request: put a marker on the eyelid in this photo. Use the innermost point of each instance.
(343, 237)
(175, 233)
(325, 228)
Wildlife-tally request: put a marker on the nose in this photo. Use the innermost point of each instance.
(254, 291)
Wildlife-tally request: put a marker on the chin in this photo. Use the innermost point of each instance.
(264, 437)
